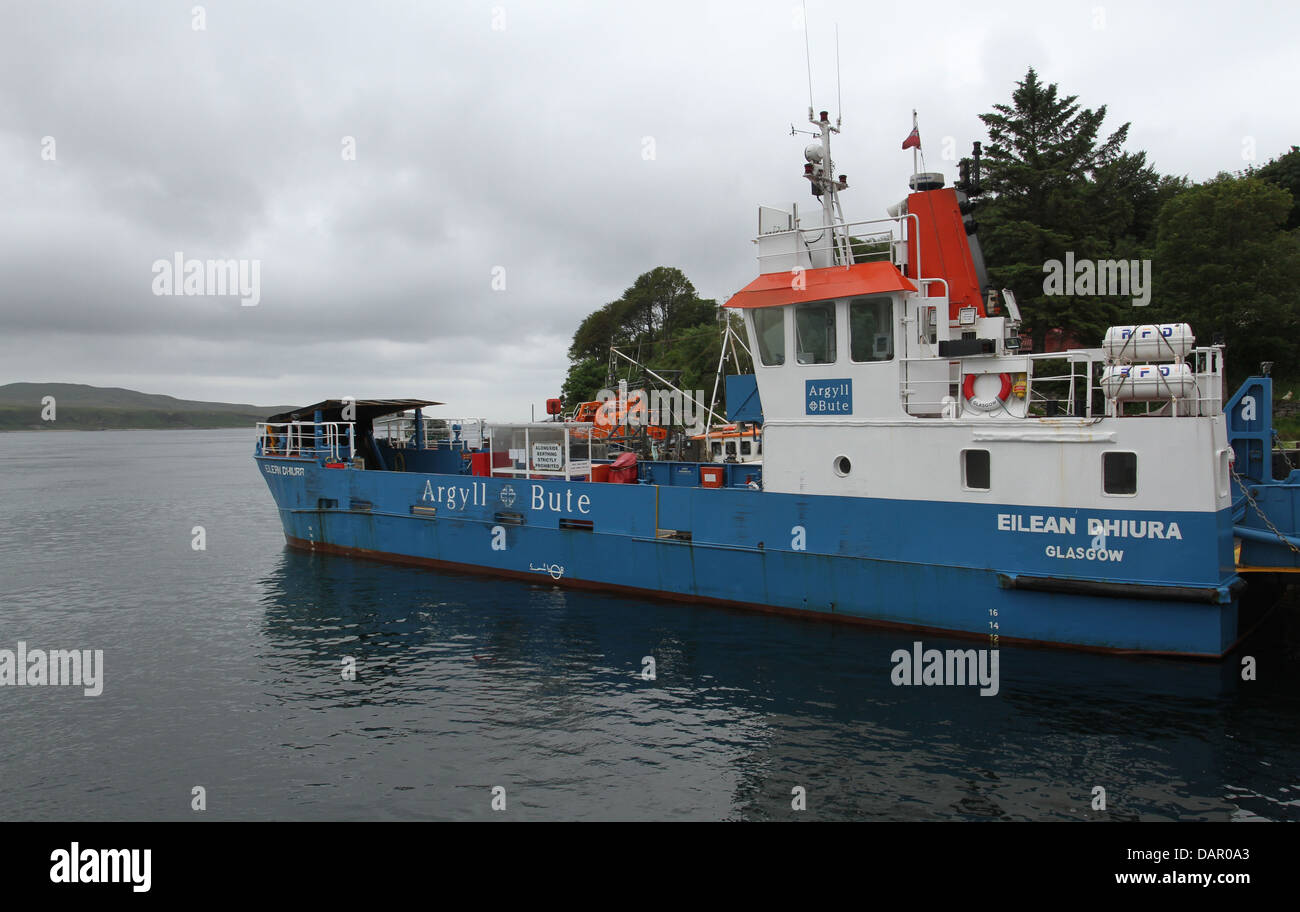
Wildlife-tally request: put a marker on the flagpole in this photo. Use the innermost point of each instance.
(915, 129)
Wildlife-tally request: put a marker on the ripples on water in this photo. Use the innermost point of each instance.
(223, 669)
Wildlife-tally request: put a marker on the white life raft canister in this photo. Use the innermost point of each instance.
(1147, 382)
(1150, 342)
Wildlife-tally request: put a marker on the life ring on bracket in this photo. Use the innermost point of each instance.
(985, 405)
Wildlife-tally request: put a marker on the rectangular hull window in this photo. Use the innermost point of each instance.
(1119, 473)
(975, 470)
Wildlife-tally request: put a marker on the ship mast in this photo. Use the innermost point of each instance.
(820, 172)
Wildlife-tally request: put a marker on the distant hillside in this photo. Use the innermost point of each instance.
(82, 407)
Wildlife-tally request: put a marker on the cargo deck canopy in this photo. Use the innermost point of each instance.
(367, 409)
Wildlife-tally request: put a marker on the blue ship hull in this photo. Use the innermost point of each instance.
(1001, 573)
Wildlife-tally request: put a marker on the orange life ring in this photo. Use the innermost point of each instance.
(985, 405)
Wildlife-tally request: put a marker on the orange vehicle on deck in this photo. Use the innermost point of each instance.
(619, 420)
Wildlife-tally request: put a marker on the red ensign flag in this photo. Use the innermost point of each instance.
(913, 140)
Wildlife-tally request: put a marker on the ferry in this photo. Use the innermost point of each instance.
(918, 470)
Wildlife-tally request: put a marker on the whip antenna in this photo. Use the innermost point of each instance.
(807, 54)
(839, 96)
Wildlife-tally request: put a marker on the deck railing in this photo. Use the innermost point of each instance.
(1075, 393)
(862, 241)
(399, 432)
(335, 440)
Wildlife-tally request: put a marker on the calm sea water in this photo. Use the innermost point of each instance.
(222, 670)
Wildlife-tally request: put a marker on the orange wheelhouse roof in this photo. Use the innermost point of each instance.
(777, 288)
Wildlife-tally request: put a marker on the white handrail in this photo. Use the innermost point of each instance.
(823, 238)
(311, 439)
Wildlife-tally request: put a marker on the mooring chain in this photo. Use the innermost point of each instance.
(1262, 515)
(1290, 465)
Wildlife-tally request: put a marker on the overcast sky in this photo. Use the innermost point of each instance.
(513, 135)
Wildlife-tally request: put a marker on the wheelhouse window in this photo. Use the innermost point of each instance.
(814, 332)
(769, 334)
(1119, 473)
(871, 329)
(975, 470)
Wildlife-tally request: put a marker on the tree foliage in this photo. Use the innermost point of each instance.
(1225, 254)
(1055, 186)
(1226, 264)
(659, 302)
(584, 379)
(661, 321)
(1284, 172)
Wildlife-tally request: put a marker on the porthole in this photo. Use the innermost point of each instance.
(843, 466)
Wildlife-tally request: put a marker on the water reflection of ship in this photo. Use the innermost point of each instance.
(791, 702)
